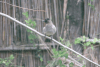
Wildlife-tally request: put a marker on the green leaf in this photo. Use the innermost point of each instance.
(92, 0)
(34, 24)
(59, 62)
(92, 47)
(71, 64)
(88, 43)
(95, 40)
(77, 41)
(41, 59)
(84, 38)
(89, 4)
(63, 65)
(78, 55)
(28, 30)
(30, 21)
(68, 44)
(0, 59)
(92, 6)
(84, 44)
(84, 47)
(4, 62)
(11, 57)
(61, 39)
(67, 17)
(48, 62)
(32, 36)
(66, 55)
(55, 53)
(26, 21)
(25, 14)
(7, 64)
(31, 41)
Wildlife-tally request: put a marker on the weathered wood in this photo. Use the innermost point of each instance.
(7, 37)
(17, 25)
(1, 30)
(14, 24)
(9, 24)
(92, 28)
(4, 42)
(24, 4)
(75, 14)
(19, 33)
(23, 47)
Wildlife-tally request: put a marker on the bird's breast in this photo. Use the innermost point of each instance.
(50, 30)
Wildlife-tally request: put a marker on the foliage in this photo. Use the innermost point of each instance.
(7, 61)
(31, 35)
(67, 16)
(71, 64)
(57, 54)
(92, 0)
(26, 14)
(92, 6)
(63, 53)
(61, 39)
(83, 66)
(41, 58)
(82, 40)
(79, 40)
(60, 53)
(67, 43)
(32, 24)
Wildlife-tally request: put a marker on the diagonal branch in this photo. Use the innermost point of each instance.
(2, 14)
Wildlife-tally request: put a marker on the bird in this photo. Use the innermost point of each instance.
(49, 29)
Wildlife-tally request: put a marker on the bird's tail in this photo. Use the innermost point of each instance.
(47, 40)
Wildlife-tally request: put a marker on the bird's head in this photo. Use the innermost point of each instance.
(47, 20)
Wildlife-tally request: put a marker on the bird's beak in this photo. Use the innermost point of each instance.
(43, 20)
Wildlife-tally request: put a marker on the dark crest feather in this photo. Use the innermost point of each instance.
(46, 20)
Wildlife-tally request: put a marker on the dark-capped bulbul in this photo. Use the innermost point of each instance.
(49, 29)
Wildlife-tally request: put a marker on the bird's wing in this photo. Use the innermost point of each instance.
(44, 30)
(54, 29)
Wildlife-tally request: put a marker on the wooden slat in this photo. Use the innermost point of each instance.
(6, 31)
(30, 59)
(24, 4)
(20, 48)
(4, 25)
(1, 26)
(21, 28)
(33, 56)
(14, 16)
(25, 58)
(17, 17)
(9, 25)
